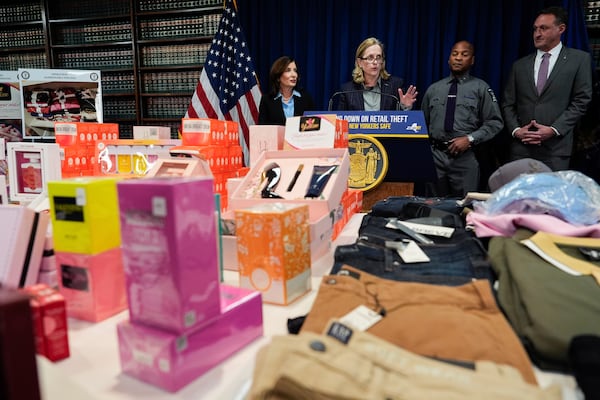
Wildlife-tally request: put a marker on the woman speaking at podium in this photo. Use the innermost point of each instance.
(373, 88)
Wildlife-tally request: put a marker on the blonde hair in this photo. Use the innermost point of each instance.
(357, 72)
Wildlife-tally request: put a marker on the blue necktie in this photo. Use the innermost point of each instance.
(450, 107)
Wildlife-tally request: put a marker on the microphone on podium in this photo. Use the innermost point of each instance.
(344, 92)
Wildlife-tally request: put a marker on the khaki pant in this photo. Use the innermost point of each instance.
(312, 366)
(460, 323)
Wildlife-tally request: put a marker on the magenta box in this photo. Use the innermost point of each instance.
(171, 361)
(93, 285)
(170, 253)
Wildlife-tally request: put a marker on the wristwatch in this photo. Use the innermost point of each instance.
(471, 139)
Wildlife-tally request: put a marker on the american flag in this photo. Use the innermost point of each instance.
(228, 88)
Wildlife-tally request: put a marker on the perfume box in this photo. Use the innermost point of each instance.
(50, 321)
(151, 132)
(232, 133)
(129, 157)
(93, 285)
(273, 249)
(22, 237)
(265, 138)
(18, 367)
(85, 214)
(171, 361)
(31, 166)
(178, 167)
(203, 132)
(294, 171)
(170, 250)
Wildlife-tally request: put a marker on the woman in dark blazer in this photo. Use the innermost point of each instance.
(284, 99)
(372, 88)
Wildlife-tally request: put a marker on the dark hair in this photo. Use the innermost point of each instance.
(560, 14)
(277, 69)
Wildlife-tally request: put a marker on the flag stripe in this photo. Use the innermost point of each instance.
(228, 88)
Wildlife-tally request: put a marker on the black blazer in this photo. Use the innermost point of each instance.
(354, 100)
(270, 111)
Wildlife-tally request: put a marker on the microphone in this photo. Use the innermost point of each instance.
(361, 91)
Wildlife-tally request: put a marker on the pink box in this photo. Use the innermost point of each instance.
(248, 192)
(93, 285)
(171, 361)
(170, 251)
(265, 138)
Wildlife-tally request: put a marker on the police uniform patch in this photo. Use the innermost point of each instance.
(492, 95)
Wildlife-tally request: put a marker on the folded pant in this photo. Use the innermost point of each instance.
(460, 322)
(350, 364)
(450, 264)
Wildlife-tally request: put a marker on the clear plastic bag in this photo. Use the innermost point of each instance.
(569, 195)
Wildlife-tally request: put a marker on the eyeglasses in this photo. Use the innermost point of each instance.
(372, 59)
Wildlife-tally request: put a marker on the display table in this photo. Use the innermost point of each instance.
(93, 371)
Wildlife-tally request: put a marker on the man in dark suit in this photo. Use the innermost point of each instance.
(546, 94)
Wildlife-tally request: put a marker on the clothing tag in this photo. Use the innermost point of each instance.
(361, 318)
(394, 223)
(340, 332)
(434, 230)
(412, 253)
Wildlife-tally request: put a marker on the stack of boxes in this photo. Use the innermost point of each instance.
(77, 141)
(182, 320)
(219, 143)
(87, 240)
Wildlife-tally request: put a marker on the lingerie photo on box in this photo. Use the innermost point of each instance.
(46, 104)
(50, 96)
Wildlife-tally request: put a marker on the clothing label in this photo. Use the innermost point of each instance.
(361, 318)
(409, 251)
(433, 230)
(340, 332)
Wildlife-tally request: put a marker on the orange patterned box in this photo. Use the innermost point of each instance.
(273, 248)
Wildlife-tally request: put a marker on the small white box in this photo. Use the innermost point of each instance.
(151, 132)
(265, 138)
(31, 166)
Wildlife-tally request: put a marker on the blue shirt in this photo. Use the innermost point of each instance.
(288, 108)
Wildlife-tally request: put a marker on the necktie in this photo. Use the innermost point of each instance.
(450, 107)
(543, 72)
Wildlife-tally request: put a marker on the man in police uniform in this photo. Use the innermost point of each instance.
(461, 111)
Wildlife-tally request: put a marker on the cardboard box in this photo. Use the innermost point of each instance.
(170, 251)
(31, 166)
(129, 157)
(273, 249)
(171, 361)
(50, 321)
(22, 237)
(265, 138)
(93, 285)
(85, 214)
(248, 192)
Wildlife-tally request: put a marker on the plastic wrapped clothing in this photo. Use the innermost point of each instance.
(568, 195)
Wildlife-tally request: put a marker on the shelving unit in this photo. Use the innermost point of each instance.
(23, 36)
(173, 39)
(150, 52)
(592, 18)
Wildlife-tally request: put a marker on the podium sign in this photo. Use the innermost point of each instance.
(406, 155)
